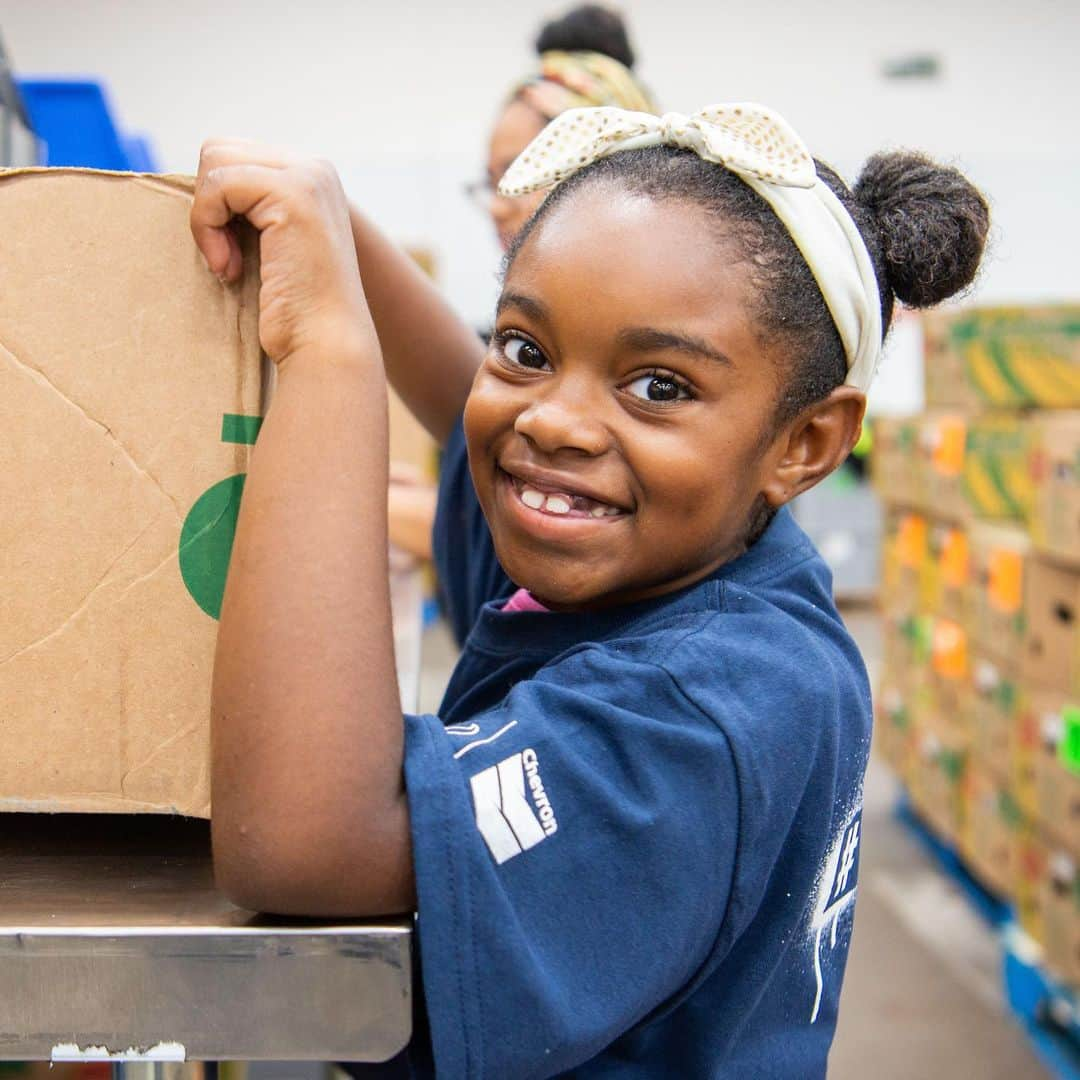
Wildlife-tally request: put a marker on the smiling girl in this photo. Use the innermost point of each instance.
(638, 810)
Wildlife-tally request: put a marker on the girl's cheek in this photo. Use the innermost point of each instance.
(487, 407)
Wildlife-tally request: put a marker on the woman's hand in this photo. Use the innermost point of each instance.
(311, 297)
(411, 503)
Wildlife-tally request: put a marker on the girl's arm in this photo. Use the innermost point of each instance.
(430, 354)
(309, 808)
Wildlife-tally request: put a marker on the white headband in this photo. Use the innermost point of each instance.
(761, 149)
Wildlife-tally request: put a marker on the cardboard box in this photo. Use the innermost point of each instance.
(1052, 626)
(997, 481)
(1054, 514)
(905, 551)
(1008, 357)
(131, 388)
(893, 730)
(986, 838)
(1061, 916)
(972, 465)
(1057, 782)
(945, 383)
(948, 713)
(946, 571)
(993, 709)
(907, 650)
(1035, 711)
(1030, 861)
(936, 784)
(995, 606)
(939, 467)
(895, 465)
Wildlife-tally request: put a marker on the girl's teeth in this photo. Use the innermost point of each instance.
(563, 504)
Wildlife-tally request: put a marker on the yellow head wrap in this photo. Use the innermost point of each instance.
(572, 80)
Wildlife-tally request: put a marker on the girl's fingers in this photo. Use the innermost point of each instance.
(218, 152)
(222, 193)
(215, 239)
(217, 246)
(309, 285)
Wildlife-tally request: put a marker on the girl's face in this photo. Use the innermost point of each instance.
(620, 430)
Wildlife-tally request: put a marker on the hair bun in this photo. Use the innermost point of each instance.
(588, 28)
(932, 221)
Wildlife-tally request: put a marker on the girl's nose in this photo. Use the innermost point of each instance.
(555, 422)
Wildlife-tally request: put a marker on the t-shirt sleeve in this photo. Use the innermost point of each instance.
(573, 854)
(469, 574)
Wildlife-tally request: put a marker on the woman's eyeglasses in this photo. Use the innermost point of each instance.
(482, 192)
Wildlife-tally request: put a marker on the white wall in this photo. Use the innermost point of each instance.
(399, 95)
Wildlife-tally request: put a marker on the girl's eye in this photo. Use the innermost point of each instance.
(660, 388)
(521, 352)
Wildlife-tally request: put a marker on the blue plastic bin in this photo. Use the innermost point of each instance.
(72, 117)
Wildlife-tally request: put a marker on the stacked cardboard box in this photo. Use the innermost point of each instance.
(979, 705)
(131, 392)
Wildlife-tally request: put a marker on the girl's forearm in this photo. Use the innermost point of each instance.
(309, 807)
(431, 355)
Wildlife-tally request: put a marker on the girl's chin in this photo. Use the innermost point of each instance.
(551, 589)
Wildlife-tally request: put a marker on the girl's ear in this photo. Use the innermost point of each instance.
(813, 444)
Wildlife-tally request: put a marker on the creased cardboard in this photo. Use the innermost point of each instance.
(1052, 626)
(130, 391)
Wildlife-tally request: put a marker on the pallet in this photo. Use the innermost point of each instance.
(1048, 1012)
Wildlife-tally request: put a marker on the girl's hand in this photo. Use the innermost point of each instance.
(311, 297)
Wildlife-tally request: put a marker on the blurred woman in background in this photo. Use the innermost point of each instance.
(586, 59)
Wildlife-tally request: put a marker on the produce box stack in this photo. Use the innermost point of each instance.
(979, 702)
(995, 622)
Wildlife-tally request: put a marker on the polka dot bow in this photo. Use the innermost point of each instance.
(761, 148)
(748, 139)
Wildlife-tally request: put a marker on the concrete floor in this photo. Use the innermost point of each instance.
(922, 997)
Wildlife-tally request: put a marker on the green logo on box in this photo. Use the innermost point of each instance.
(206, 538)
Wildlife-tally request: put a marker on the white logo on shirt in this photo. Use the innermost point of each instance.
(508, 824)
(480, 742)
(835, 891)
(847, 859)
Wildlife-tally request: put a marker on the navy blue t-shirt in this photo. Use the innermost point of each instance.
(636, 832)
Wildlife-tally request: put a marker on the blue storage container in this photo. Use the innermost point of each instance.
(73, 119)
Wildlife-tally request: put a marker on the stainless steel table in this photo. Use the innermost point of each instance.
(115, 944)
(113, 941)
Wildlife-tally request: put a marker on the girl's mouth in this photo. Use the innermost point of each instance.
(546, 499)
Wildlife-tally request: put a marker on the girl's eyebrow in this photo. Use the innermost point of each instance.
(646, 339)
(525, 304)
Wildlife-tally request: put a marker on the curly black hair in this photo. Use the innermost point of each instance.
(588, 28)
